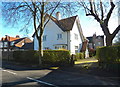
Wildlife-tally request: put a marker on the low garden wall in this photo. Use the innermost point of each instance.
(109, 58)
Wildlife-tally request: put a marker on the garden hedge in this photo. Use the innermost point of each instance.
(51, 57)
(80, 55)
(109, 57)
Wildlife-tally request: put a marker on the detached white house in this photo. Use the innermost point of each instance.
(62, 34)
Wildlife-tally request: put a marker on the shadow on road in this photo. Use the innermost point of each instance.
(80, 74)
(18, 66)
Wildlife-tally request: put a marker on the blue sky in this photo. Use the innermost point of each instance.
(88, 24)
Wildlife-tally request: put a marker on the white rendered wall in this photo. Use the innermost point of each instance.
(75, 42)
(51, 30)
(36, 45)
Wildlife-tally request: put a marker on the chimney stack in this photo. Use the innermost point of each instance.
(17, 36)
(58, 15)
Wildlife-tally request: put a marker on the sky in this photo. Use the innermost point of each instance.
(89, 26)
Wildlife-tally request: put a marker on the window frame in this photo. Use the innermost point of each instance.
(59, 36)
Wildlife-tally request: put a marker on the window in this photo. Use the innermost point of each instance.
(59, 36)
(60, 47)
(56, 47)
(76, 47)
(1, 44)
(46, 48)
(44, 37)
(5, 44)
(76, 36)
(64, 47)
(12, 43)
(76, 51)
(99, 43)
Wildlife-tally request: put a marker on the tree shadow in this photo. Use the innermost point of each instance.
(20, 66)
(64, 76)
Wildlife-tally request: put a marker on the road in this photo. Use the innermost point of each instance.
(19, 76)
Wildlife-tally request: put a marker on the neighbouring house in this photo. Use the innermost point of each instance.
(95, 41)
(8, 43)
(62, 34)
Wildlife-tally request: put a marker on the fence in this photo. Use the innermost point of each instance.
(7, 55)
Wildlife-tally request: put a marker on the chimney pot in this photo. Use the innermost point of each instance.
(17, 36)
(58, 15)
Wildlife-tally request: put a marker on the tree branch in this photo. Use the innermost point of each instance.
(95, 16)
(94, 8)
(91, 6)
(116, 31)
(34, 18)
(28, 6)
(51, 13)
(109, 13)
(101, 7)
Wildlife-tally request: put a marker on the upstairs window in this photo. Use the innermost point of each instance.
(76, 36)
(1, 44)
(44, 37)
(59, 36)
(12, 43)
(5, 44)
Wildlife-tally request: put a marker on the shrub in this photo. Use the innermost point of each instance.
(51, 57)
(80, 55)
(92, 52)
(109, 57)
(108, 54)
(26, 56)
(56, 57)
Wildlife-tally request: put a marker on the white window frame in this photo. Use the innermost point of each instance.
(59, 36)
(76, 36)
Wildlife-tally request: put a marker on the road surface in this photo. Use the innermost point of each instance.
(19, 76)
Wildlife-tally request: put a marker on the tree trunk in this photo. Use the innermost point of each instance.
(109, 37)
(109, 40)
(40, 49)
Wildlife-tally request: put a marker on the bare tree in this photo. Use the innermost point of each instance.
(98, 11)
(30, 13)
(117, 40)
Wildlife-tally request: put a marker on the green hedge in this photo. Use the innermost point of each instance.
(80, 55)
(51, 57)
(109, 57)
(28, 57)
(108, 54)
(56, 57)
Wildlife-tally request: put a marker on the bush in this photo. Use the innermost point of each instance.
(108, 54)
(109, 57)
(29, 57)
(92, 52)
(51, 57)
(80, 55)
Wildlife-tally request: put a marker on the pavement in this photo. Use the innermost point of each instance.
(84, 72)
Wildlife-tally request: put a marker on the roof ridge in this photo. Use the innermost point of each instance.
(68, 18)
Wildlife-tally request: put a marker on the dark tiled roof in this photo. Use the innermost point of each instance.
(65, 24)
(18, 40)
(8, 38)
(91, 38)
(27, 46)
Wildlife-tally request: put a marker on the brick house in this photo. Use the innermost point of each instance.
(8, 43)
(95, 41)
